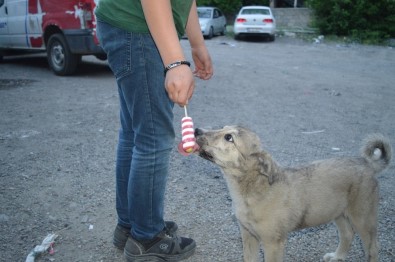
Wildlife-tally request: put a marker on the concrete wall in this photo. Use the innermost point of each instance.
(293, 18)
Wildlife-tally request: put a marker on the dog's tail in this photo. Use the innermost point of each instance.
(377, 151)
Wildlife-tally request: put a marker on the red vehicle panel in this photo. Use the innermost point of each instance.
(66, 30)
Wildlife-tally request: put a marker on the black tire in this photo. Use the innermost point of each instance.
(60, 59)
(101, 57)
(210, 33)
(223, 30)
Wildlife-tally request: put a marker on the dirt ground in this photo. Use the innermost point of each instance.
(306, 101)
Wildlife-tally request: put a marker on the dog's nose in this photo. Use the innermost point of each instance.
(198, 132)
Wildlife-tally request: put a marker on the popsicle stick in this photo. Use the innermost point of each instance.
(186, 112)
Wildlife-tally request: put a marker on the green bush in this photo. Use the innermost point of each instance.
(365, 20)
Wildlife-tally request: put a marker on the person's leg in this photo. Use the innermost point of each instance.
(125, 149)
(124, 159)
(152, 113)
(115, 43)
(123, 163)
(145, 140)
(146, 135)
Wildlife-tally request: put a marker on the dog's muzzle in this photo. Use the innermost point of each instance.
(207, 156)
(201, 141)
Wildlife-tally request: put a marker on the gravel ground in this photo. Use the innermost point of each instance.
(58, 135)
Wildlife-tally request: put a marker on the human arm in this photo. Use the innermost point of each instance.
(200, 55)
(179, 82)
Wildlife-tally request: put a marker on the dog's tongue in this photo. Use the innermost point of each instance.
(182, 152)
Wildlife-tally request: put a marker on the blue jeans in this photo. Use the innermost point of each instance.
(146, 134)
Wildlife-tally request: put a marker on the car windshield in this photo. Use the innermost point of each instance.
(255, 12)
(204, 13)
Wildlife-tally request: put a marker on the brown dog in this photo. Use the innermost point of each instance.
(271, 201)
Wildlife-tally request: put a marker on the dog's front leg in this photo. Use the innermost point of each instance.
(273, 249)
(250, 245)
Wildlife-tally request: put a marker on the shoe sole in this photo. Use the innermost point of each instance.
(158, 257)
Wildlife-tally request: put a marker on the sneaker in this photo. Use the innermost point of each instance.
(121, 234)
(164, 247)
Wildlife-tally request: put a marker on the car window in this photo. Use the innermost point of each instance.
(255, 12)
(204, 13)
(216, 13)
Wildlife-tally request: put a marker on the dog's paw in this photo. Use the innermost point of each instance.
(331, 257)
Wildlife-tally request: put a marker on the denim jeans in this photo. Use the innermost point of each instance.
(146, 134)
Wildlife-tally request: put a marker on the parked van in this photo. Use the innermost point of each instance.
(65, 30)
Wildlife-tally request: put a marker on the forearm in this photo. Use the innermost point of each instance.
(158, 15)
(193, 30)
(201, 58)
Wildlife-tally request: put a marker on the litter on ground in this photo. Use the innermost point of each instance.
(47, 243)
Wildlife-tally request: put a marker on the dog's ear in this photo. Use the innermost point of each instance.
(265, 166)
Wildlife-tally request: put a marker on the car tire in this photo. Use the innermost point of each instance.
(223, 30)
(272, 38)
(102, 57)
(60, 59)
(210, 33)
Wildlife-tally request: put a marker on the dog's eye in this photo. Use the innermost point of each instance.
(228, 138)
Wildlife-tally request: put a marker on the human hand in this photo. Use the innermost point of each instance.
(203, 63)
(180, 84)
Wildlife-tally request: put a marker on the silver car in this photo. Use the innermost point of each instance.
(255, 20)
(212, 21)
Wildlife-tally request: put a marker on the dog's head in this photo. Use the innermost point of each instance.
(227, 147)
(234, 148)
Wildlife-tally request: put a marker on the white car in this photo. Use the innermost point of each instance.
(255, 20)
(212, 21)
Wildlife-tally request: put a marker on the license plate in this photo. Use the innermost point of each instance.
(253, 30)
